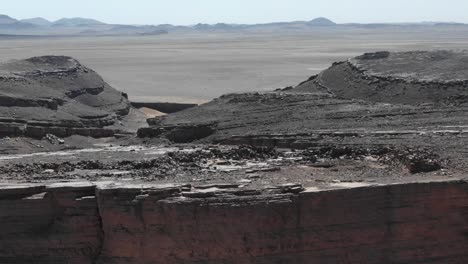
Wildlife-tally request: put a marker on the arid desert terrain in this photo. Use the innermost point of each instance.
(196, 68)
(325, 147)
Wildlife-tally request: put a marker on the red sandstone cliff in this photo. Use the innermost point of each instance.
(408, 223)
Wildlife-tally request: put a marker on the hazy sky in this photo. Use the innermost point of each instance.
(186, 12)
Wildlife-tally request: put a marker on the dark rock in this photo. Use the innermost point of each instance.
(54, 139)
(181, 133)
(374, 56)
(167, 108)
(59, 96)
(422, 162)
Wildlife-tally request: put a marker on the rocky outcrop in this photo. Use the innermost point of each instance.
(167, 108)
(415, 99)
(57, 95)
(413, 78)
(180, 133)
(138, 223)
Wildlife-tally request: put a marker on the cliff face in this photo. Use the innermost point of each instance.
(407, 223)
(49, 225)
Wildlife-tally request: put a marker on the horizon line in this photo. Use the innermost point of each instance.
(228, 23)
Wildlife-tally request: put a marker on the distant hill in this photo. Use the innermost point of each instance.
(132, 30)
(322, 21)
(76, 21)
(4, 19)
(449, 24)
(17, 26)
(268, 27)
(10, 24)
(90, 27)
(38, 21)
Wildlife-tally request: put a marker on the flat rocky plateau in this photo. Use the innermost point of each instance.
(362, 163)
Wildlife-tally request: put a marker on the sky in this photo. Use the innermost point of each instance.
(189, 12)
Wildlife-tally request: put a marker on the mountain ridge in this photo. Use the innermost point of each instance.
(38, 21)
(86, 26)
(322, 21)
(4, 19)
(77, 21)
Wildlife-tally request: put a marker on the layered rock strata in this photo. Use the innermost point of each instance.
(379, 179)
(57, 95)
(149, 223)
(416, 99)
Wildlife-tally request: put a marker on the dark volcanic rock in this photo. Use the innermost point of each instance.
(180, 133)
(56, 95)
(400, 78)
(409, 99)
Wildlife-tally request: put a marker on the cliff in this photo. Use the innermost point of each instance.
(115, 223)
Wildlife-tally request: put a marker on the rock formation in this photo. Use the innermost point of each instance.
(404, 99)
(111, 223)
(413, 78)
(57, 95)
(363, 163)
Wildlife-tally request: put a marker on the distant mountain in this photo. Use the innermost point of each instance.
(295, 26)
(38, 21)
(90, 27)
(16, 27)
(10, 24)
(322, 21)
(4, 19)
(76, 21)
(124, 27)
(201, 26)
(448, 24)
(132, 30)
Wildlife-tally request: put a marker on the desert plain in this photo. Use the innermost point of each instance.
(196, 68)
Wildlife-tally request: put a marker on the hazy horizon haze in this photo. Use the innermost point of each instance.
(186, 12)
